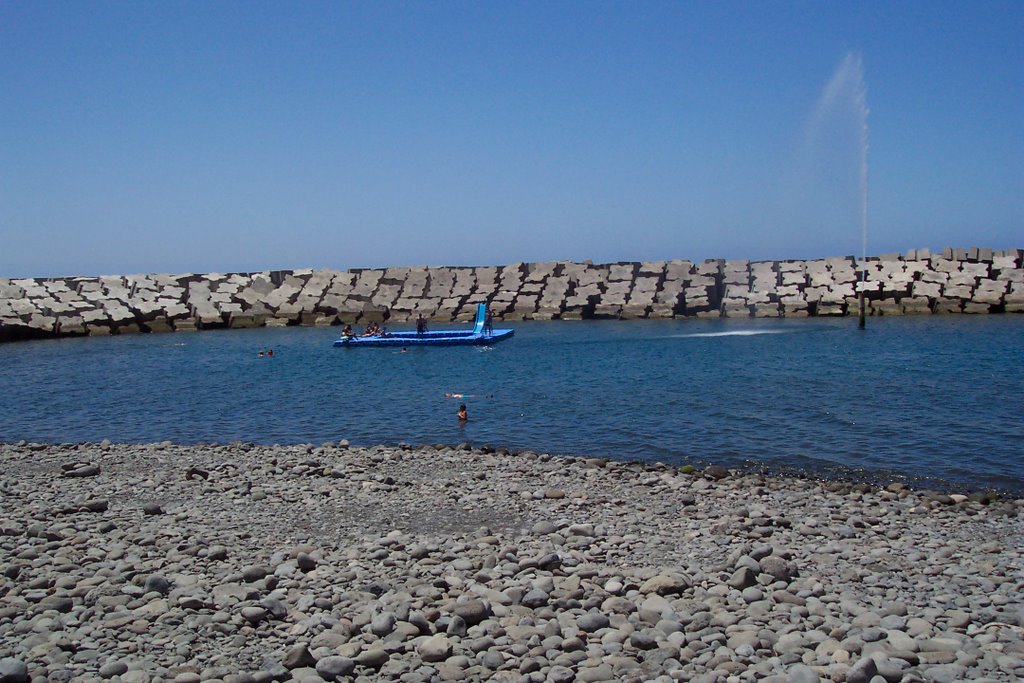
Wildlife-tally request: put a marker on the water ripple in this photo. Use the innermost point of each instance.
(923, 399)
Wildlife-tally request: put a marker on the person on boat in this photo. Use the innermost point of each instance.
(347, 331)
(489, 322)
(421, 324)
(270, 353)
(463, 415)
(371, 330)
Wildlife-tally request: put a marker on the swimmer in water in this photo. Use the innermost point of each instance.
(463, 415)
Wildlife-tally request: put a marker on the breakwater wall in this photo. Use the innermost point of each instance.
(973, 280)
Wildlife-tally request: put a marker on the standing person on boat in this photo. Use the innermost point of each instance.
(421, 324)
(463, 415)
(489, 322)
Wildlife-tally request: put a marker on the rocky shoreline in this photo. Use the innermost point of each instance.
(240, 563)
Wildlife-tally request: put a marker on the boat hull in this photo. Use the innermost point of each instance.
(446, 338)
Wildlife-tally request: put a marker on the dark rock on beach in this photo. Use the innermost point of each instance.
(330, 563)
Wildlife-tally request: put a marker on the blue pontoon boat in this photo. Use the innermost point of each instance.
(476, 336)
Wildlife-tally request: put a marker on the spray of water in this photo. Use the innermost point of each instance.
(847, 89)
(826, 183)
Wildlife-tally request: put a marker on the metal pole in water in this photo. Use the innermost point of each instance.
(860, 320)
(862, 106)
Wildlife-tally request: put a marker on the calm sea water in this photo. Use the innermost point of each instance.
(932, 400)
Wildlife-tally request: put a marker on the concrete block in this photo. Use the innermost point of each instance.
(793, 278)
(794, 309)
(240, 321)
(842, 290)
(604, 310)
(916, 305)
(1006, 262)
(621, 272)
(830, 309)
(991, 297)
(946, 306)
(736, 291)
(538, 272)
(157, 326)
(926, 289)
(962, 279)
(66, 327)
(1011, 275)
(767, 311)
(678, 270)
(662, 310)
(935, 276)
(819, 279)
(975, 269)
(651, 269)
(710, 267)
(974, 308)
(958, 291)
(735, 309)
(870, 286)
(633, 311)
(386, 295)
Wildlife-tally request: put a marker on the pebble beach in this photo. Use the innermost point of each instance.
(240, 563)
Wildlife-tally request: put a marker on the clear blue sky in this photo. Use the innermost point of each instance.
(235, 136)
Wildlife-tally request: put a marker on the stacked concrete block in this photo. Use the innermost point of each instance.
(735, 289)
(552, 297)
(642, 295)
(701, 294)
(527, 301)
(508, 281)
(831, 286)
(442, 283)
(791, 289)
(764, 297)
(586, 284)
(960, 280)
(1007, 268)
(616, 290)
(670, 299)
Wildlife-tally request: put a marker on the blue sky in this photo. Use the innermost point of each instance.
(198, 136)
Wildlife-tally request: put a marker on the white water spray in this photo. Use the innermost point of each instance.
(847, 88)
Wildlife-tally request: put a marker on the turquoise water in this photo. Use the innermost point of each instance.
(934, 399)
